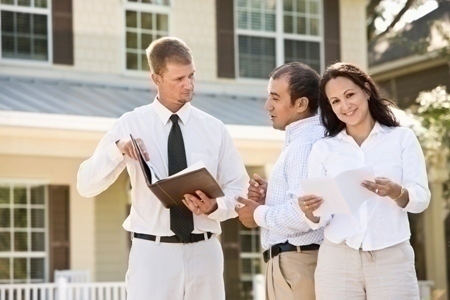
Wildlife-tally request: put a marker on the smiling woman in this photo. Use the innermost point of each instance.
(362, 131)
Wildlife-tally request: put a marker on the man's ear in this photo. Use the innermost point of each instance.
(156, 79)
(301, 104)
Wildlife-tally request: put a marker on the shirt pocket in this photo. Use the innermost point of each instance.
(209, 161)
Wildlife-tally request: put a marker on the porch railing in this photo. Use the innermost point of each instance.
(64, 290)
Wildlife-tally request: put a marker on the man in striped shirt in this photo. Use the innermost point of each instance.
(291, 247)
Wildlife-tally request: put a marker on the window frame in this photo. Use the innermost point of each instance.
(279, 37)
(141, 7)
(254, 233)
(45, 254)
(30, 10)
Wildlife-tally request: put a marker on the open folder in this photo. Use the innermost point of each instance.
(342, 194)
(171, 190)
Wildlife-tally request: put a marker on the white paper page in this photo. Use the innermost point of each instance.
(327, 189)
(198, 165)
(341, 195)
(352, 190)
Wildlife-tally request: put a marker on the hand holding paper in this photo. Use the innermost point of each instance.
(342, 194)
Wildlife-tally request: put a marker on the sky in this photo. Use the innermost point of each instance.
(392, 7)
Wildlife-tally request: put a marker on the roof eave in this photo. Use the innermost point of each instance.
(406, 65)
(102, 124)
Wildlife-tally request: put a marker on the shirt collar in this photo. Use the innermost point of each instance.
(164, 114)
(296, 127)
(377, 128)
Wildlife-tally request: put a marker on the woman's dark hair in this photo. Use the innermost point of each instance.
(378, 106)
(303, 82)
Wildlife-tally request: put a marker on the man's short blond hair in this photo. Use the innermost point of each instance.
(167, 50)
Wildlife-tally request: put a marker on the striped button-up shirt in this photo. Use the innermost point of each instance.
(281, 218)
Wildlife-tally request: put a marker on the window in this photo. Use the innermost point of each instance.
(25, 29)
(251, 259)
(23, 233)
(273, 32)
(145, 21)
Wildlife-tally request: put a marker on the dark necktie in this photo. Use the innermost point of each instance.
(181, 218)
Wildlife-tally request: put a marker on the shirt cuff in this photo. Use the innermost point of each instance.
(259, 215)
(412, 203)
(322, 221)
(114, 154)
(223, 211)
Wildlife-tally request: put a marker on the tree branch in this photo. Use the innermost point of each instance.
(397, 18)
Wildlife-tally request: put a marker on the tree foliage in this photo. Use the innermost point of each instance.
(379, 10)
(432, 108)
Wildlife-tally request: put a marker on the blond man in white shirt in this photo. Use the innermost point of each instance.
(162, 264)
(367, 254)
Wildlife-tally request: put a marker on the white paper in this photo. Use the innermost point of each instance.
(342, 194)
(198, 165)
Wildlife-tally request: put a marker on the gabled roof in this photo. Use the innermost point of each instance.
(405, 42)
(65, 97)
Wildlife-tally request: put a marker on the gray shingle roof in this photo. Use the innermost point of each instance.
(76, 98)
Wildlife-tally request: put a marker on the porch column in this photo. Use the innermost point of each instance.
(435, 249)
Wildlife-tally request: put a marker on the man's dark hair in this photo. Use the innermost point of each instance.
(303, 82)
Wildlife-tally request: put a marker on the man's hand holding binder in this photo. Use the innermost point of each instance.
(194, 183)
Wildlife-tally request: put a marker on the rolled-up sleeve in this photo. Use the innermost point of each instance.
(415, 178)
(98, 172)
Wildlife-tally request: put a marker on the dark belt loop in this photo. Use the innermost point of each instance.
(194, 237)
(286, 247)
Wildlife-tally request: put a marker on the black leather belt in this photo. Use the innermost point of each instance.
(286, 247)
(195, 237)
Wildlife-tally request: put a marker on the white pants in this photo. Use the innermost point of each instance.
(175, 271)
(344, 273)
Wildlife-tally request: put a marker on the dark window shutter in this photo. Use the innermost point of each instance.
(59, 228)
(225, 39)
(332, 31)
(62, 32)
(230, 245)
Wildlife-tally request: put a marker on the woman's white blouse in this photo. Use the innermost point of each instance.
(394, 153)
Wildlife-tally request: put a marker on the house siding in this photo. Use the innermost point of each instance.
(111, 240)
(98, 36)
(353, 32)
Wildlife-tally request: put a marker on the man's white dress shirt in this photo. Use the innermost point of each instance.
(205, 138)
(280, 218)
(394, 153)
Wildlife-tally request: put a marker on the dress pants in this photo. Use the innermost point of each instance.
(344, 273)
(290, 276)
(175, 271)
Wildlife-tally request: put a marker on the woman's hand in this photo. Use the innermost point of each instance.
(308, 204)
(385, 187)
